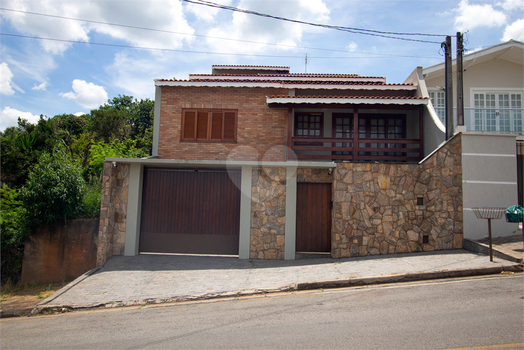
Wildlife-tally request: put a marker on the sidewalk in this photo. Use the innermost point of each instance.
(150, 278)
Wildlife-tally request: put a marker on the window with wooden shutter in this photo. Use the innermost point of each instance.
(209, 125)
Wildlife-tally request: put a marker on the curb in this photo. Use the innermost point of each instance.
(409, 277)
(328, 284)
(41, 306)
(482, 248)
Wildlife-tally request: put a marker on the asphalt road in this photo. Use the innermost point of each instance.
(478, 312)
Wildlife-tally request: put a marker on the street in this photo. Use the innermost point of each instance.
(445, 314)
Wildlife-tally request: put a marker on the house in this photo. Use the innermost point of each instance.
(492, 157)
(259, 162)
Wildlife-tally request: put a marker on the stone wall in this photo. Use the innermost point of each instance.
(268, 213)
(113, 211)
(385, 208)
(314, 175)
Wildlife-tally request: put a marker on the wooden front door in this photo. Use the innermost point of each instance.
(313, 217)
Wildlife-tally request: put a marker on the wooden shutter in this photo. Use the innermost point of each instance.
(230, 126)
(216, 126)
(188, 125)
(202, 126)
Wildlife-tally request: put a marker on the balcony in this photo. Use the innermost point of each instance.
(358, 149)
(501, 120)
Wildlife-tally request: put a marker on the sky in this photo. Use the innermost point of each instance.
(71, 56)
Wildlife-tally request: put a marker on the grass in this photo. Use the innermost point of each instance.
(39, 290)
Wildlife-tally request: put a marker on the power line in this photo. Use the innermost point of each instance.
(168, 31)
(383, 34)
(205, 52)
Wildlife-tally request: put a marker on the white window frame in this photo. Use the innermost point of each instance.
(440, 108)
(511, 111)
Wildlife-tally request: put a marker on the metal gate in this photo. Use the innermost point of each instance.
(193, 211)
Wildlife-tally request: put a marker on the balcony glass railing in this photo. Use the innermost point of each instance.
(501, 120)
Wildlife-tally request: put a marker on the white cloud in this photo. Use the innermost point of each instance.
(5, 80)
(352, 46)
(87, 95)
(205, 13)
(47, 27)
(472, 16)
(166, 15)
(79, 114)
(42, 86)
(259, 29)
(510, 5)
(514, 31)
(9, 117)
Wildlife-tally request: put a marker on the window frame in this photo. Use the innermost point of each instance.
(212, 115)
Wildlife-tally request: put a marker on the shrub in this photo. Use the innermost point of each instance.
(14, 231)
(54, 190)
(91, 199)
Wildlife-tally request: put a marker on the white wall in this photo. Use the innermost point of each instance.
(489, 178)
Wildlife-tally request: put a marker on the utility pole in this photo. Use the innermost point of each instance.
(460, 79)
(449, 87)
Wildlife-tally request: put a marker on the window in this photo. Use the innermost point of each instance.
(309, 124)
(438, 99)
(209, 125)
(382, 127)
(498, 111)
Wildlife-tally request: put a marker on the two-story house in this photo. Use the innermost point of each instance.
(259, 162)
(493, 138)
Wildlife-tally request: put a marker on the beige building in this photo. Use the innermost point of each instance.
(493, 130)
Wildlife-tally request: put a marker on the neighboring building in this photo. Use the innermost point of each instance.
(493, 119)
(263, 163)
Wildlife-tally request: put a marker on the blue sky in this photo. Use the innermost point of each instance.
(57, 76)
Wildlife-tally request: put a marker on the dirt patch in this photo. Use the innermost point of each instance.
(21, 299)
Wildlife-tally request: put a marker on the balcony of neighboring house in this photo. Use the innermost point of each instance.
(498, 112)
(379, 134)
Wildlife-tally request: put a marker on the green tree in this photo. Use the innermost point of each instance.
(54, 190)
(13, 234)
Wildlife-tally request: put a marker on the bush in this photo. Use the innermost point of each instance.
(14, 231)
(91, 199)
(54, 190)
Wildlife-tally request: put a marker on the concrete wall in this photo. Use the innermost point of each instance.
(489, 180)
(60, 252)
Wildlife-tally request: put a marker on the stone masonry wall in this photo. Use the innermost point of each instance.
(314, 175)
(113, 211)
(376, 211)
(268, 213)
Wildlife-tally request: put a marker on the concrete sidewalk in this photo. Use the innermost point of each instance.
(148, 278)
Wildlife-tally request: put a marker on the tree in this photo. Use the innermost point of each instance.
(54, 190)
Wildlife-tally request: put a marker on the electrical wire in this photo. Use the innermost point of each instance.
(204, 52)
(383, 34)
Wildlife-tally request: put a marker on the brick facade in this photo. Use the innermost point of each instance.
(260, 130)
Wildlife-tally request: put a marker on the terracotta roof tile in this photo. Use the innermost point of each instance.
(353, 97)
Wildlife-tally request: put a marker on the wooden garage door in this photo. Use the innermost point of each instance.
(190, 211)
(313, 217)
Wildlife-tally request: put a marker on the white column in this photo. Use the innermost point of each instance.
(291, 213)
(134, 207)
(244, 240)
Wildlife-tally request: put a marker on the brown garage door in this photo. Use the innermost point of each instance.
(313, 217)
(190, 211)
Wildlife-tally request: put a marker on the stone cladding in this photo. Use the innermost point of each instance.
(385, 208)
(268, 213)
(314, 175)
(113, 211)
